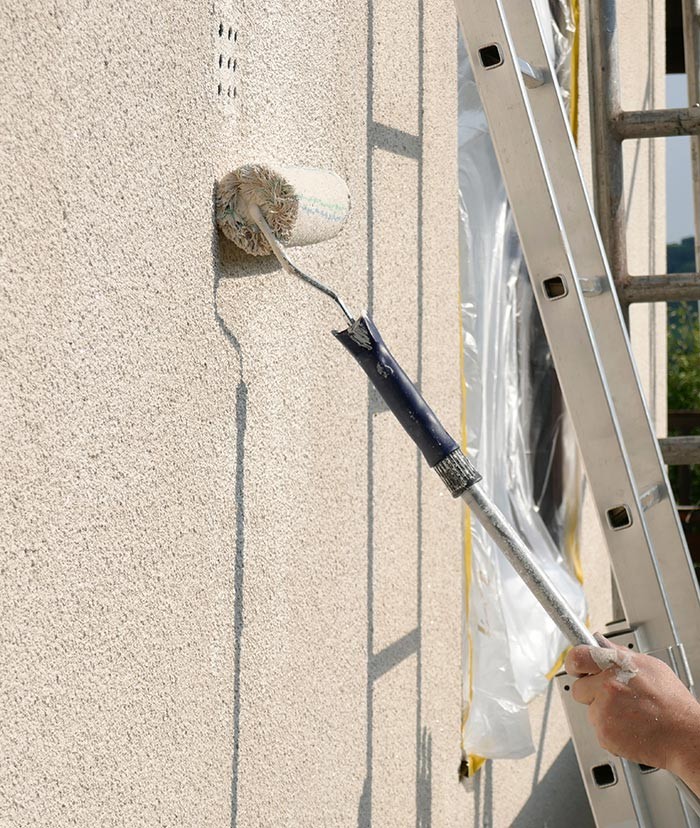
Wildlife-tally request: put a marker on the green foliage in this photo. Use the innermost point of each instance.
(681, 257)
(683, 362)
(683, 356)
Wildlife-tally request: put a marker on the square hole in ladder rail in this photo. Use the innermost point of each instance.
(555, 287)
(619, 517)
(604, 775)
(491, 56)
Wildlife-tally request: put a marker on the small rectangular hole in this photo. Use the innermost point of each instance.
(647, 768)
(604, 775)
(619, 517)
(490, 56)
(555, 287)
(225, 60)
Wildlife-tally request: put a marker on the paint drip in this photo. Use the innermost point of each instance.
(606, 658)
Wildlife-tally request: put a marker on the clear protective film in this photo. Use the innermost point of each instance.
(518, 436)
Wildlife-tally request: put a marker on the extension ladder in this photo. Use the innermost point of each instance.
(585, 328)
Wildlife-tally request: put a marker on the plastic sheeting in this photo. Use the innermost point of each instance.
(517, 434)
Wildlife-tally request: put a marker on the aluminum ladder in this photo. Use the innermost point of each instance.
(585, 328)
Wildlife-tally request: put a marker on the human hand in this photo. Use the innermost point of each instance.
(639, 708)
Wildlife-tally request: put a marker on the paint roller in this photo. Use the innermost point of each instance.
(300, 206)
(261, 208)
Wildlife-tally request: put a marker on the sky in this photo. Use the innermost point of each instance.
(679, 197)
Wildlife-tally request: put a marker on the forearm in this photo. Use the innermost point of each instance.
(691, 777)
(684, 759)
(689, 771)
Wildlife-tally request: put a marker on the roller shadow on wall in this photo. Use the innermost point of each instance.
(223, 266)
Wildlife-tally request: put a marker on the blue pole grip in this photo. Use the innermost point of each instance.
(365, 343)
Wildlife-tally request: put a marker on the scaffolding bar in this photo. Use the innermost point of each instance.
(604, 97)
(655, 123)
(670, 287)
(680, 451)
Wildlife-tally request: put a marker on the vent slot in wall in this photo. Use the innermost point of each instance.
(226, 58)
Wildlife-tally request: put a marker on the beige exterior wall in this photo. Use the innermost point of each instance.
(230, 591)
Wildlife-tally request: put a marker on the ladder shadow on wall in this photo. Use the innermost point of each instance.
(392, 147)
(559, 798)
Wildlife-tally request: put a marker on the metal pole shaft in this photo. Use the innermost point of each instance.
(522, 560)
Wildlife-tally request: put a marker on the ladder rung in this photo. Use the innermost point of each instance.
(680, 451)
(532, 76)
(655, 123)
(667, 287)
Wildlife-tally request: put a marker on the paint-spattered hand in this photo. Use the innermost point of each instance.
(639, 708)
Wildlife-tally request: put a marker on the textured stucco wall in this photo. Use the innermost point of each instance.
(230, 593)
